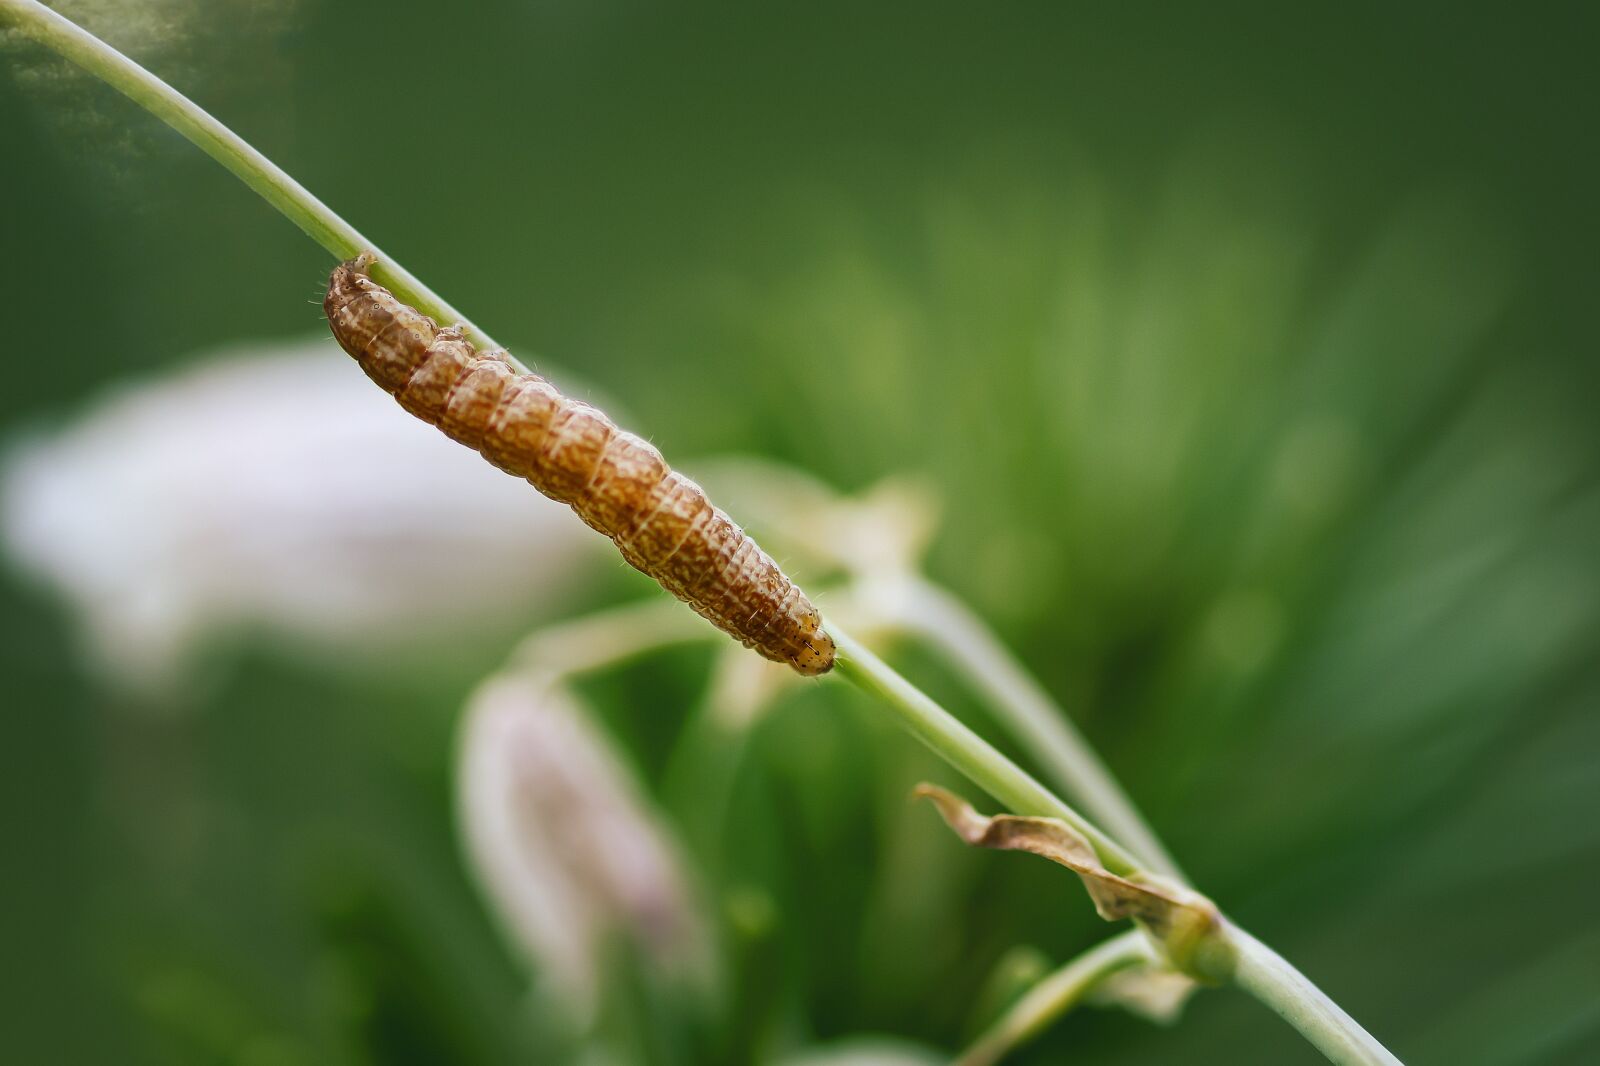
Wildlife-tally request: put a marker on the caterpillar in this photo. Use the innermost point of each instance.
(618, 483)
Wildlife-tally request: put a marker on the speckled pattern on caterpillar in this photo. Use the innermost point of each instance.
(618, 483)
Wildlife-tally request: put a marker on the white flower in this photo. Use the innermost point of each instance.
(276, 487)
(564, 844)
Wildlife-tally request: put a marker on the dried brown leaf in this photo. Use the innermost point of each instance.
(1183, 922)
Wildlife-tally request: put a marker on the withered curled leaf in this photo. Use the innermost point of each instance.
(1182, 922)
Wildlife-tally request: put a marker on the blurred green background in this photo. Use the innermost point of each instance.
(1249, 348)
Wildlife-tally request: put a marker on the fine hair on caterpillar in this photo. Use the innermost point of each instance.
(618, 483)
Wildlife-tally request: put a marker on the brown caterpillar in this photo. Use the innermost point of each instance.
(660, 520)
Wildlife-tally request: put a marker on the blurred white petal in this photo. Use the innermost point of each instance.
(886, 528)
(277, 487)
(564, 844)
(744, 685)
(1154, 993)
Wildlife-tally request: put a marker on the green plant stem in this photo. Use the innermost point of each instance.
(969, 753)
(1269, 977)
(1056, 994)
(932, 615)
(293, 200)
(1261, 971)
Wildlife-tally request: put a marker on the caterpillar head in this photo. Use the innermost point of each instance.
(813, 651)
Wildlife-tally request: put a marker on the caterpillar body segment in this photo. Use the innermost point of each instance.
(618, 483)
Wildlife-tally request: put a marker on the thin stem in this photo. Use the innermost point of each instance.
(1055, 995)
(966, 751)
(1270, 978)
(293, 200)
(1026, 710)
(1261, 971)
